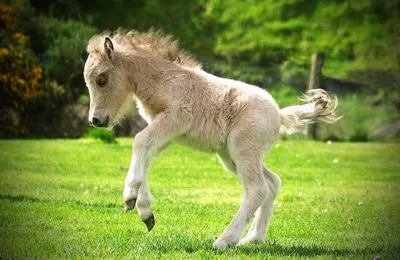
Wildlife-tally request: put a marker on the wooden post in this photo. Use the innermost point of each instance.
(315, 81)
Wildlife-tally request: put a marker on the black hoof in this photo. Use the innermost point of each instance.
(150, 222)
(130, 204)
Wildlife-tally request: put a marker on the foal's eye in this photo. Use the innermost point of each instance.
(102, 80)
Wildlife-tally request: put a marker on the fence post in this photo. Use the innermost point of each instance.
(315, 81)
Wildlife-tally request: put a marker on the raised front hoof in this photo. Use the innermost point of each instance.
(129, 204)
(150, 222)
(222, 244)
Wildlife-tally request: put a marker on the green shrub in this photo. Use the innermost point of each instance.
(360, 134)
(63, 48)
(361, 118)
(105, 135)
(60, 45)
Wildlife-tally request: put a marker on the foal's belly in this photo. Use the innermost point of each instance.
(203, 143)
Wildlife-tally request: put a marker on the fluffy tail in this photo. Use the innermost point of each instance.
(318, 106)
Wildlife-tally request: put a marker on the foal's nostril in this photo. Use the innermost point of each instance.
(96, 121)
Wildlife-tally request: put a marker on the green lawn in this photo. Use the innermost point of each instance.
(63, 199)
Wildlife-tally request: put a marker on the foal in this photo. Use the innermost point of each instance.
(181, 102)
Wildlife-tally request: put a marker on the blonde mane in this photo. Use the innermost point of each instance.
(154, 42)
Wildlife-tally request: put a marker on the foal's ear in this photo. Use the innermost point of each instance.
(109, 47)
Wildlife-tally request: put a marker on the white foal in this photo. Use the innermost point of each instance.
(181, 102)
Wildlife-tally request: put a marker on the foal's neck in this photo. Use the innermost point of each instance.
(151, 73)
(150, 79)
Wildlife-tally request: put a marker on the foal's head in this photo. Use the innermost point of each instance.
(114, 64)
(107, 83)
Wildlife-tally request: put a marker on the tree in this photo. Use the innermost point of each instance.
(353, 34)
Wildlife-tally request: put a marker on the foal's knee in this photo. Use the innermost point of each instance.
(258, 189)
(273, 181)
(139, 144)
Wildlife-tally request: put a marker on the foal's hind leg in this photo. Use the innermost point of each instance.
(264, 213)
(247, 158)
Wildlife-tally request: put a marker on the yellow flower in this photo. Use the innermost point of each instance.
(4, 52)
(21, 81)
(20, 38)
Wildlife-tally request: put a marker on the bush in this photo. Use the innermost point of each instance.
(62, 50)
(20, 75)
(42, 63)
(104, 135)
(361, 118)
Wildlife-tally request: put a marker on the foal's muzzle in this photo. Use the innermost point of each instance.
(96, 121)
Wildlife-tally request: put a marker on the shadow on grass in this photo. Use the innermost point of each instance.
(24, 198)
(18, 198)
(267, 249)
(304, 251)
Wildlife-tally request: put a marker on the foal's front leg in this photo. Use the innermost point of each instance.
(146, 146)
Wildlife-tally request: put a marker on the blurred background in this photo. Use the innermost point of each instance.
(270, 43)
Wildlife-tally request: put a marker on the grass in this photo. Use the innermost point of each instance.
(62, 199)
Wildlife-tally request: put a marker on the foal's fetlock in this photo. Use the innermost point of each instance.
(129, 204)
(150, 222)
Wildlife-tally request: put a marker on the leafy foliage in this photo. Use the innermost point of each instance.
(20, 73)
(362, 116)
(291, 30)
(42, 73)
(266, 43)
(62, 51)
